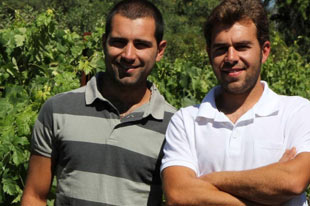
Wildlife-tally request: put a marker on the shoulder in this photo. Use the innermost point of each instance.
(69, 95)
(64, 100)
(294, 100)
(283, 103)
(293, 108)
(158, 100)
(188, 113)
(293, 103)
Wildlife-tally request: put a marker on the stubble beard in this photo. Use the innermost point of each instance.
(246, 86)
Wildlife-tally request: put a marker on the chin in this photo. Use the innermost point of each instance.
(236, 89)
(129, 83)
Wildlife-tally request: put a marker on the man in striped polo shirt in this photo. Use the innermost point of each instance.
(103, 141)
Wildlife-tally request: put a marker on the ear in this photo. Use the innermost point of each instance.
(161, 50)
(209, 54)
(265, 51)
(104, 41)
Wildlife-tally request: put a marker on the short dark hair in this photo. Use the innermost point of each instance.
(134, 9)
(229, 12)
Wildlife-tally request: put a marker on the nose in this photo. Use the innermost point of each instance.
(129, 53)
(231, 55)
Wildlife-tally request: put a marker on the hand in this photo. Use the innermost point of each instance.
(289, 154)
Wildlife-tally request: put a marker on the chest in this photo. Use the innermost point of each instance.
(105, 145)
(245, 145)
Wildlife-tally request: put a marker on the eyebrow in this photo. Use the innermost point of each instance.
(117, 39)
(216, 45)
(244, 43)
(219, 45)
(149, 43)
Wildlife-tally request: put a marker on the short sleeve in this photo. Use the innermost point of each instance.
(179, 147)
(42, 135)
(298, 125)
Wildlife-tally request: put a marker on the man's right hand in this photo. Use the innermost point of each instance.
(289, 154)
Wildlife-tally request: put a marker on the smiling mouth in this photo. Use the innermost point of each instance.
(131, 69)
(233, 72)
(127, 67)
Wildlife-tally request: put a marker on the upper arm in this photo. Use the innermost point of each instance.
(176, 178)
(180, 183)
(298, 133)
(40, 174)
(40, 171)
(297, 126)
(179, 149)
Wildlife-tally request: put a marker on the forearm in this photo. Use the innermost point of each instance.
(183, 188)
(249, 185)
(272, 184)
(29, 199)
(199, 194)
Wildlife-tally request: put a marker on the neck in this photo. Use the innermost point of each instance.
(124, 98)
(235, 105)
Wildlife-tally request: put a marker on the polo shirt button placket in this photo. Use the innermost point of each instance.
(235, 143)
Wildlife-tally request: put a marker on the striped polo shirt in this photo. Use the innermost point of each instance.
(101, 159)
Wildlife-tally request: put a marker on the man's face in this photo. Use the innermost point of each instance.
(131, 50)
(236, 56)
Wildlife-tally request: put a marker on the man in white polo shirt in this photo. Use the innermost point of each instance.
(228, 149)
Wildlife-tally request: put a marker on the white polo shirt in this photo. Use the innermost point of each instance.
(205, 140)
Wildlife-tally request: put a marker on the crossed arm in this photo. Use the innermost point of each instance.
(38, 181)
(270, 185)
(182, 187)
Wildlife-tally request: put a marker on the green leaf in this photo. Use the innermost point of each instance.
(61, 48)
(19, 40)
(18, 198)
(22, 30)
(5, 106)
(18, 157)
(9, 186)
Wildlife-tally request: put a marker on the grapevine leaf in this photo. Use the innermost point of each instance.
(19, 40)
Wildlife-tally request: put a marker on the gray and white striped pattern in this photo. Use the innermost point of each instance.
(100, 158)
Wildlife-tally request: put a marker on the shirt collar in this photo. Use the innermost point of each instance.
(154, 106)
(266, 105)
(207, 108)
(92, 92)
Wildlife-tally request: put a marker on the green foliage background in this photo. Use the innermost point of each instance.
(43, 52)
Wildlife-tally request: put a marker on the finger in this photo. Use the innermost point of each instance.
(292, 153)
(288, 155)
(284, 157)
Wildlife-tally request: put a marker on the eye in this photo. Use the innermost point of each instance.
(142, 44)
(242, 47)
(220, 50)
(117, 42)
